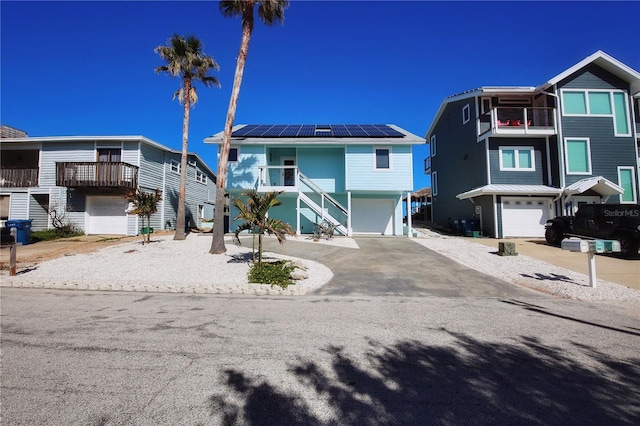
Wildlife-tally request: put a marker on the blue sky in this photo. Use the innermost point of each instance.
(86, 68)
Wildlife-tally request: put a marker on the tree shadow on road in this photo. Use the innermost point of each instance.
(466, 382)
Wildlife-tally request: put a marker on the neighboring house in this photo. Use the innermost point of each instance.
(351, 175)
(512, 157)
(85, 177)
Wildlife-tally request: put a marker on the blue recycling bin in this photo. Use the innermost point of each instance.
(23, 228)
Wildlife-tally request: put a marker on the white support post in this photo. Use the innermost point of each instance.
(298, 215)
(592, 268)
(409, 230)
(349, 230)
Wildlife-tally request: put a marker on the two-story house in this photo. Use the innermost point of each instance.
(509, 158)
(85, 178)
(353, 176)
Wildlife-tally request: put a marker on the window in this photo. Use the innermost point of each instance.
(383, 159)
(175, 166)
(201, 177)
(599, 103)
(233, 154)
(109, 155)
(466, 114)
(578, 156)
(434, 183)
(433, 145)
(519, 158)
(627, 181)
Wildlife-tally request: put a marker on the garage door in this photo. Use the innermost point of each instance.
(372, 216)
(107, 215)
(525, 217)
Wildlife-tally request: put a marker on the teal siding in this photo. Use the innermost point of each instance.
(325, 166)
(361, 175)
(539, 176)
(243, 174)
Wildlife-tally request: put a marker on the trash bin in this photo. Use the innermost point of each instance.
(23, 228)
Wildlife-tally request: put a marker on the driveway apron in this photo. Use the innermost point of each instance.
(396, 266)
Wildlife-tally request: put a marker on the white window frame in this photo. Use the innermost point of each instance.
(566, 156)
(434, 183)
(375, 163)
(516, 150)
(432, 145)
(611, 102)
(201, 177)
(466, 114)
(175, 166)
(237, 154)
(633, 184)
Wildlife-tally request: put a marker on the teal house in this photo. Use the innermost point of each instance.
(353, 176)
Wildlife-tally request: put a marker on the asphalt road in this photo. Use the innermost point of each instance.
(93, 358)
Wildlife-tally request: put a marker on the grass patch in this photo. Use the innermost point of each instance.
(273, 273)
(54, 234)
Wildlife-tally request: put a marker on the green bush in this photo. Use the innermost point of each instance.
(54, 234)
(274, 273)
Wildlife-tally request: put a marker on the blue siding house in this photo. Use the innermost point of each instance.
(85, 178)
(506, 159)
(353, 176)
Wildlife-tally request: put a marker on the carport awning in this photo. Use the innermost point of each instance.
(504, 189)
(599, 184)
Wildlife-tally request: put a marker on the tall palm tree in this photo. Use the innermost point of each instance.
(255, 213)
(269, 12)
(186, 59)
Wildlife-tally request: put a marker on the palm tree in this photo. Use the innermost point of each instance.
(269, 12)
(255, 214)
(145, 204)
(186, 58)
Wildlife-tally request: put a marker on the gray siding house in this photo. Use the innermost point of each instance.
(86, 177)
(506, 159)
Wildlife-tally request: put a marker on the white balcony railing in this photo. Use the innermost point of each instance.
(278, 178)
(518, 121)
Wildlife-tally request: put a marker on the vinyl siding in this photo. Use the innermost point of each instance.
(63, 152)
(243, 174)
(538, 176)
(460, 162)
(38, 204)
(607, 150)
(324, 166)
(19, 206)
(361, 175)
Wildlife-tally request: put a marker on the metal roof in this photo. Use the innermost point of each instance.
(504, 189)
(599, 184)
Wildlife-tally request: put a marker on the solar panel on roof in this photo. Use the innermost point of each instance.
(244, 130)
(317, 130)
(307, 130)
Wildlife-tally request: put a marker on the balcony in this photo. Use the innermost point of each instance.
(511, 121)
(97, 174)
(18, 178)
(278, 178)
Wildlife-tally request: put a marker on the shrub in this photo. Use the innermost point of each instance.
(274, 273)
(54, 234)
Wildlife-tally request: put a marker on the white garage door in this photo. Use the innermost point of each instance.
(107, 215)
(372, 216)
(525, 217)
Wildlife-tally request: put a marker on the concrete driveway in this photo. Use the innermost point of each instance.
(396, 266)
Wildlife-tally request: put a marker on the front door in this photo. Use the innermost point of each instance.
(289, 172)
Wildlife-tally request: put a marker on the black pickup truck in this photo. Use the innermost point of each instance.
(600, 221)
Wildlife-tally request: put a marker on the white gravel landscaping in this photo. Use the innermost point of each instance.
(525, 271)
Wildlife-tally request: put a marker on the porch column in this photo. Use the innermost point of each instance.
(349, 230)
(298, 215)
(409, 231)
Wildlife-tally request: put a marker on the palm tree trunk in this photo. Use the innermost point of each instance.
(180, 220)
(217, 244)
